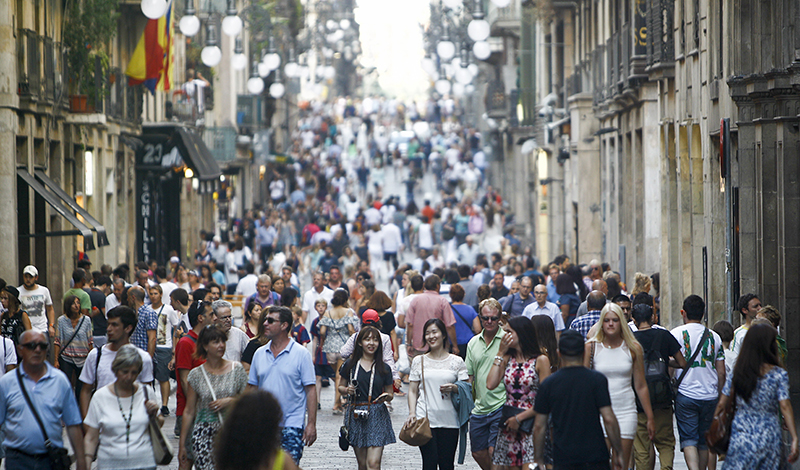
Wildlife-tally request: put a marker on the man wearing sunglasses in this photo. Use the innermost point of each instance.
(487, 413)
(51, 394)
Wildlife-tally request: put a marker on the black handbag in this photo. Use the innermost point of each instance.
(58, 456)
(509, 411)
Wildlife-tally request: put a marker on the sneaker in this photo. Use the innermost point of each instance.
(164, 411)
(326, 383)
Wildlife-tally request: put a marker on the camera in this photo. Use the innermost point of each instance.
(361, 414)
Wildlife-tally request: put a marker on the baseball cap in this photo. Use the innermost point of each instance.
(194, 272)
(571, 343)
(13, 291)
(175, 260)
(31, 269)
(217, 239)
(370, 316)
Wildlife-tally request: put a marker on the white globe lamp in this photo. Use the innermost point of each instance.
(478, 30)
(272, 60)
(481, 50)
(501, 3)
(473, 69)
(458, 89)
(446, 49)
(344, 24)
(428, 65)
(255, 85)
(442, 86)
(463, 75)
(276, 90)
(189, 25)
(232, 25)
(239, 60)
(154, 9)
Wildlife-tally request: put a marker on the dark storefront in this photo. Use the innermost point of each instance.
(170, 155)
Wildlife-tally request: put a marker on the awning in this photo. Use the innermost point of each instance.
(196, 154)
(55, 203)
(102, 238)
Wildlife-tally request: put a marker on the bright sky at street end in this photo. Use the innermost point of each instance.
(391, 41)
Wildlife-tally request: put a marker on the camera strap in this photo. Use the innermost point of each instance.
(371, 381)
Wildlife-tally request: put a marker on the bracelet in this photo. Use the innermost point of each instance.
(498, 357)
(517, 420)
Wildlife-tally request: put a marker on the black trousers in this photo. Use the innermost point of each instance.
(440, 451)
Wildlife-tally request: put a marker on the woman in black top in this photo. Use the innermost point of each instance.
(14, 321)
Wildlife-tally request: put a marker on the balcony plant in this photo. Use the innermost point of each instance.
(90, 25)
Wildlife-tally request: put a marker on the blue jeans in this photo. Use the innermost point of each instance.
(694, 418)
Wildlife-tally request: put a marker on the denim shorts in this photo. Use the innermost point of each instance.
(694, 418)
(483, 430)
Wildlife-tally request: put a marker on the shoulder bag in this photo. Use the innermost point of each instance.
(58, 456)
(74, 334)
(417, 432)
(508, 411)
(718, 435)
(677, 383)
(162, 449)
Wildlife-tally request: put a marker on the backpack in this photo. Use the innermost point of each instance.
(475, 224)
(656, 374)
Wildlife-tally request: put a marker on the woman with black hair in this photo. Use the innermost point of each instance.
(520, 366)
(761, 389)
(568, 300)
(574, 272)
(438, 371)
(14, 321)
(367, 380)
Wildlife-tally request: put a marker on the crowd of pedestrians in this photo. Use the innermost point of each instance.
(433, 299)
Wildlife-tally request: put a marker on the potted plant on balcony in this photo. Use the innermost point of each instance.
(90, 25)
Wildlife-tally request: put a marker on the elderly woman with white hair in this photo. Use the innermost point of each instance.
(118, 418)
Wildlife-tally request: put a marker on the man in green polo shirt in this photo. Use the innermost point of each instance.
(481, 351)
(78, 282)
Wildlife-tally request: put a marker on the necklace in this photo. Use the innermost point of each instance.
(128, 419)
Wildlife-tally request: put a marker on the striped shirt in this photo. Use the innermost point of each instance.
(77, 349)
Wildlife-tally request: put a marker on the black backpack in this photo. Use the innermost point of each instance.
(656, 374)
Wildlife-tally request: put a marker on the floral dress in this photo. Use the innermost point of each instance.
(756, 441)
(337, 332)
(515, 448)
(207, 422)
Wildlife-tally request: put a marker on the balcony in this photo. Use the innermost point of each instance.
(661, 41)
(507, 18)
(221, 141)
(40, 67)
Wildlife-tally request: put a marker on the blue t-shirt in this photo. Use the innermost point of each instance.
(464, 314)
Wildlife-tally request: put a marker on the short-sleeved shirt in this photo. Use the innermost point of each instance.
(148, 321)
(669, 345)
(102, 369)
(54, 400)
(311, 296)
(286, 377)
(35, 302)
(185, 360)
(515, 304)
(437, 406)
(425, 306)
(700, 382)
(236, 344)
(300, 334)
(81, 339)
(573, 396)
(168, 320)
(99, 321)
(250, 350)
(380, 381)
(464, 315)
(550, 309)
(584, 324)
(480, 357)
(86, 301)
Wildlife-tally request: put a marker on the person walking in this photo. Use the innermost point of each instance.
(761, 390)
(424, 307)
(656, 343)
(521, 366)
(577, 399)
(467, 322)
(437, 371)
(37, 389)
(14, 321)
(614, 352)
(484, 424)
(212, 388)
(73, 341)
(284, 368)
(335, 327)
(367, 380)
(119, 416)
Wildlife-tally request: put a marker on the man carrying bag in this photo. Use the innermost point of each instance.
(38, 392)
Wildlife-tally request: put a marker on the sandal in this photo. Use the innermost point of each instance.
(337, 411)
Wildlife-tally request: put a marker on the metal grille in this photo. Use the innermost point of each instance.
(49, 69)
(32, 62)
(626, 38)
(222, 142)
(661, 42)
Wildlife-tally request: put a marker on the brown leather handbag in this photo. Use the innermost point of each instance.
(718, 435)
(417, 432)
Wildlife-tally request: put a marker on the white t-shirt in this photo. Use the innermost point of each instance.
(736, 344)
(440, 410)
(247, 285)
(425, 236)
(166, 289)
(310, 297)
(167, 320)
(237, 342)
(35, 302)
(700, 382)
(104, 374)
(121, 448)
(9, 355)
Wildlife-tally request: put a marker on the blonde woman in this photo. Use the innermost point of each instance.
(614, 352)
(641, 283)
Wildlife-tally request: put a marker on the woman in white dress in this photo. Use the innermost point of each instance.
(614, 352)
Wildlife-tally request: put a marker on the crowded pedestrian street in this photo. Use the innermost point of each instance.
(399, 234)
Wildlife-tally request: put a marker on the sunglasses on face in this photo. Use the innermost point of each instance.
(34, 346)
(490, 318)
(271, 320)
